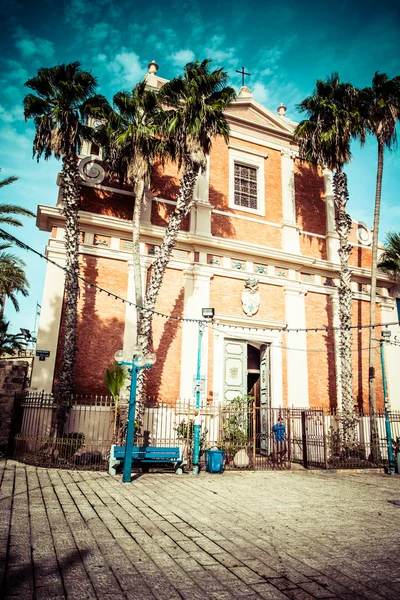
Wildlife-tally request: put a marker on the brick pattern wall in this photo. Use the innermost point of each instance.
(164, 376)
(361, 257)
(321, 357)
(360, 355)
(165, 181)
(110, 204)
(160, 213)
(101, 323)
(223, 226)
(13, 376)
(309, 193)
(313, 246)
(226, 294)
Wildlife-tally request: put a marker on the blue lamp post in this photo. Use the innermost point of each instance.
(208, 315)
(391, 469)
(137, 362)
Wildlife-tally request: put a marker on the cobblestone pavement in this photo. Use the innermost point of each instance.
(273, 535)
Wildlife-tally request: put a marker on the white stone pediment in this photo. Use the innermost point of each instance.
(248, 109)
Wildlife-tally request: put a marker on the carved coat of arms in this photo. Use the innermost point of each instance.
(251, 297)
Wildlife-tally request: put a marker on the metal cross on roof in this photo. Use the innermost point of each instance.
(243, 73)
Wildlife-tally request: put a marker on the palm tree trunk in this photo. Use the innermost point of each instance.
(182, 209)
(343, 227)
(2, 304)
(137, 278)
(374, 268)
(70, 190)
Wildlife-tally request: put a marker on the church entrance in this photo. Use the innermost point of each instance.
(247, 372)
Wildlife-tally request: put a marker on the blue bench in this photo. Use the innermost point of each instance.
(145, 456)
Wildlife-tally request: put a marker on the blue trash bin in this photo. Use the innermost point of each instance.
(214, 461)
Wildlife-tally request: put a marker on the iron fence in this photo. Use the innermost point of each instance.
(84, 442)
(252, 436)
(243, 430)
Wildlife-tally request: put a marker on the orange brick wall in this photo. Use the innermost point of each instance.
(309, 194)
(165, 181)
(101, 322)
(247, 231)
(360, 356)
(164, 376)
(313, 246)
(361, 257)
(107, 203)
(225, 297)
(160, 213)
(219, 198)
(321, 357)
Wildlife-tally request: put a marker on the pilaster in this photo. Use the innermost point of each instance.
(145, 214)
(200, 215)
(388, 311)
(290, 230)
(332, 238)
(297, 366)
(196, 297)
(130, 330)
(49, 324)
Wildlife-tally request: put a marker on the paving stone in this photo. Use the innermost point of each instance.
(262, 535)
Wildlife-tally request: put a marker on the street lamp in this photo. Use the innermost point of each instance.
(391, 469)
(136, 360)
(208, 315)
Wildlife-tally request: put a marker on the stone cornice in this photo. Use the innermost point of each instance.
(49, 216)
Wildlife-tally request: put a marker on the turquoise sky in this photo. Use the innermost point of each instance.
(285, 46)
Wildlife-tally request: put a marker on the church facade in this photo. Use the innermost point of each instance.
(259, 247)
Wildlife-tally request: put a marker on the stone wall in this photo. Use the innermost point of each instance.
(13, 376)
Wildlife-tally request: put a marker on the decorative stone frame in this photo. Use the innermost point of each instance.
(248, 159)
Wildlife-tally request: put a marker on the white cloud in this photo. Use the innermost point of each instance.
(14, 142)
(260, 92)
(125, 69)
(15, 71)
(9, 115)
(31, 46)
(182, 57)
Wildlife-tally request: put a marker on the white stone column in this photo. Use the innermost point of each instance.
(130, 330)
(130, 311)
(332, 238)
(145, 213)
(49, 323)
(297, 367)
(392, 353)
(196, 297)
(200, 214)
(290, 230)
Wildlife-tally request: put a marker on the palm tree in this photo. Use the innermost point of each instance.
(9, 342)
(380, 106)
(12, 278)
(389, 261)
(196, 102)
(324, 138)
(130, 142)
(64, 97)
(8, 212)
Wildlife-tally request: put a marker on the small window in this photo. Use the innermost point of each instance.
(398, 309)
(247, 181)
(245, 186)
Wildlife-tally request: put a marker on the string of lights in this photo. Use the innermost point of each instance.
(280, 345)
(156, 313)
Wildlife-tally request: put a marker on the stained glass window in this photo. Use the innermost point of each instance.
(245, 186)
